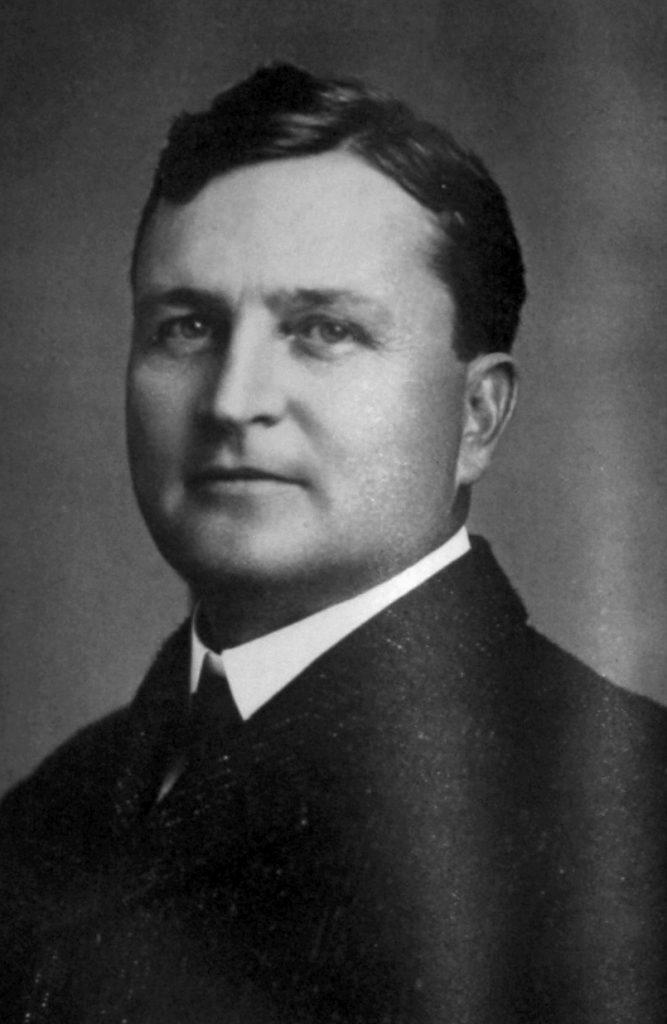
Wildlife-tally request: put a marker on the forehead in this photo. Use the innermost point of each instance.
(327, 220)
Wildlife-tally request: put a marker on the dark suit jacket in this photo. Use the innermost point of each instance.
(444, 819)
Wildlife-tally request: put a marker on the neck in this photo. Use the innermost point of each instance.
(238, 610)
(237, 613)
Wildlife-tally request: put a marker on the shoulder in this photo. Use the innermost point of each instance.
(532, 665)
(603, 725)
(560, 677)
(540, 703)
(73, 789)
(69, 787)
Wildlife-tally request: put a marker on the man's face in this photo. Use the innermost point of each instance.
(294, 402)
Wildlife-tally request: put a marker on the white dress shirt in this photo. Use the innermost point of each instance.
(259, 669)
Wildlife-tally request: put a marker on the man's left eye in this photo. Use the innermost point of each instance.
(322, 333)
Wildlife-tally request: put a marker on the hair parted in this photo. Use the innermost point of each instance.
(282, 111)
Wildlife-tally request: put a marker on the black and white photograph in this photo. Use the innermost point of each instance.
(334, 657)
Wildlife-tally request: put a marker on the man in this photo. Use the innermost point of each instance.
(356, 787)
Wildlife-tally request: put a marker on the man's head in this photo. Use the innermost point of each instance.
(282, 111)
(325, 291)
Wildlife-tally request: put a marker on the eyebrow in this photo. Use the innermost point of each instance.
(197, 298)
(323, 298)
(279, 301)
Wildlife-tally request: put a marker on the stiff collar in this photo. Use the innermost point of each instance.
(259, 669)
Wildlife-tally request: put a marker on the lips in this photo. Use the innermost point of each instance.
(235, 475)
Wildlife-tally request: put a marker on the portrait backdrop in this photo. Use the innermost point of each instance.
(565, 101)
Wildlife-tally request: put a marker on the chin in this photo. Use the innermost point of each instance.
(229, 564)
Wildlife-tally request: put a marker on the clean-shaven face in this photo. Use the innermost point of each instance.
(294, 402)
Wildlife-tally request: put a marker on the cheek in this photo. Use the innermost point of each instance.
(379, 447)
(416, 446)
(414, 417)
(156, 416)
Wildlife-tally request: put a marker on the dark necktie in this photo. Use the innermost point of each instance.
(213, 711)
(212, 715)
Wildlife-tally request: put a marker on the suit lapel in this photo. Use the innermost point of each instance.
(390, 702)
(382, 672)
(156, 728)
(312, 841)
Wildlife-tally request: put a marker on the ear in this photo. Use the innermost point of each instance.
(490, 396)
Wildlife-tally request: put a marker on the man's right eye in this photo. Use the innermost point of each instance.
(183, 335)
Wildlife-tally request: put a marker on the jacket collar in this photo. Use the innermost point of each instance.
(382, 673)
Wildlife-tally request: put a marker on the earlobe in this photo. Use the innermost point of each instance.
(489, 400)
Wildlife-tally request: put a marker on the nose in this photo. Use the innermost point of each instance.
(247, 385)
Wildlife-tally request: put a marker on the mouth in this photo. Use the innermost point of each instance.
(237, 478)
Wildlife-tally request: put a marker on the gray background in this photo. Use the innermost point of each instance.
(566, 102)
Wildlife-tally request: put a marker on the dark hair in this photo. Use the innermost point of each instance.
(282, 111)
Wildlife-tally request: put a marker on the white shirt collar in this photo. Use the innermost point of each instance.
(259, 669)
